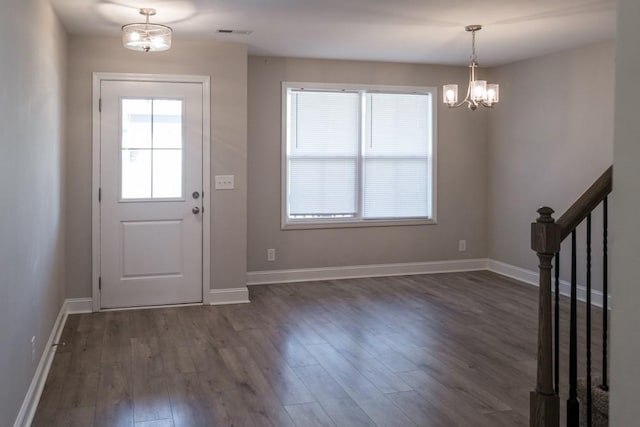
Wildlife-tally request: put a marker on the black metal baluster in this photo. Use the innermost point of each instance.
(605, 293)
(573, 406)
(556, 331)
(589, 320)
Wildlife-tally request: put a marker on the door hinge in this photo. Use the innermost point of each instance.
(99, 194)
(100, 105)
(99, 283)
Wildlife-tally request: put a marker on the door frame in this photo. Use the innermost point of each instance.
(205, 81)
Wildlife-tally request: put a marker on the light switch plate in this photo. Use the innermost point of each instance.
(225, 182)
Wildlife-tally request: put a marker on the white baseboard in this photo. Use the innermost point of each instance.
(215, 297)
(358, 271)
(79, 305)
(32, 398)
(228, 296)
(404, 269)
(532, 278)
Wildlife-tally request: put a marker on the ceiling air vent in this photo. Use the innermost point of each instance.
(241, 32)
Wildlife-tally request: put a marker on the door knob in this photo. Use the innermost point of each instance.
(195, 210)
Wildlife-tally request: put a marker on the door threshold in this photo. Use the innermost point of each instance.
(149, 307)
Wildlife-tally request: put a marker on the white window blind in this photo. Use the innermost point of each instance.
(323, 154)
(397, 156)
(358, 155)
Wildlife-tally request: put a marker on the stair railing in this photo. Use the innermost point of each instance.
(547, 235)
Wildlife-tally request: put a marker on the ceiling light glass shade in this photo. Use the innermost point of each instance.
(146, 37)
(493, 94)
(479, 92)
(450, 94)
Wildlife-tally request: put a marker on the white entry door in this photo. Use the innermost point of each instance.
(151, 190)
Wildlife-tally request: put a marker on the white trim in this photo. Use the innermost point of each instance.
(357, 271)
(341, 223)
(531, 278)
(207, 196)
(527, 276)
(149, 307)
(95, 188)
(205, 81)
(229, 296)
(404, 269)
(141, 77)
(79, 305)
(32, 398)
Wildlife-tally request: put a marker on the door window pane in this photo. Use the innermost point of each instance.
(152, 149)
(167, 174)
(167, 123)
(136, 174)
(136, 123)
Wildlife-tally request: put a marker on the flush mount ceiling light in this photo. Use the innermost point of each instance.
(146, 37)
(478, 91)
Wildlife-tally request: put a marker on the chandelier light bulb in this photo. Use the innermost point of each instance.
(450, 95)
(478, 90)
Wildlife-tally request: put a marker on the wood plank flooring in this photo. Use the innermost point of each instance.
(426, 350)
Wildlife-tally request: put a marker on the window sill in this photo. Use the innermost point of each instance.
(309, 225)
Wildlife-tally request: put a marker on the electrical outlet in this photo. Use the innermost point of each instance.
(225, 182)
(271, 254)
(462, 245)
(33, 349)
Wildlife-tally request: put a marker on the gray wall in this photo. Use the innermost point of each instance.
(549, 139)
(625, 316)
(32, 71)
(226, 63)
(462, 172)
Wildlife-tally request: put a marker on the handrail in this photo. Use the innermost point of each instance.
(585, 203)
(546, 237)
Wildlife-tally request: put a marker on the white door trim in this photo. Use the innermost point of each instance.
(206, 171)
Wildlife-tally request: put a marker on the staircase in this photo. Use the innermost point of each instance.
(588, 400)
(600, 404)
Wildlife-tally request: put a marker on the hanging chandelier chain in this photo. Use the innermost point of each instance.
(473, 46)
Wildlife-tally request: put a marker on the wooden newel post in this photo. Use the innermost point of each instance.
(544, 403)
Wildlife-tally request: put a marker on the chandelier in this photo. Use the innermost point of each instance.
(146, 37)
(478, 91)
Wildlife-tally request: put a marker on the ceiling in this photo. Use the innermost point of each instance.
(417, 31)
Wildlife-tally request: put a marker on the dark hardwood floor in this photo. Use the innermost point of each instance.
(428, 350)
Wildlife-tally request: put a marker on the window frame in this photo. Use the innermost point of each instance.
(314, 223)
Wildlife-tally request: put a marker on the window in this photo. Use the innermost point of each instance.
(355, 155)
(151, 149)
